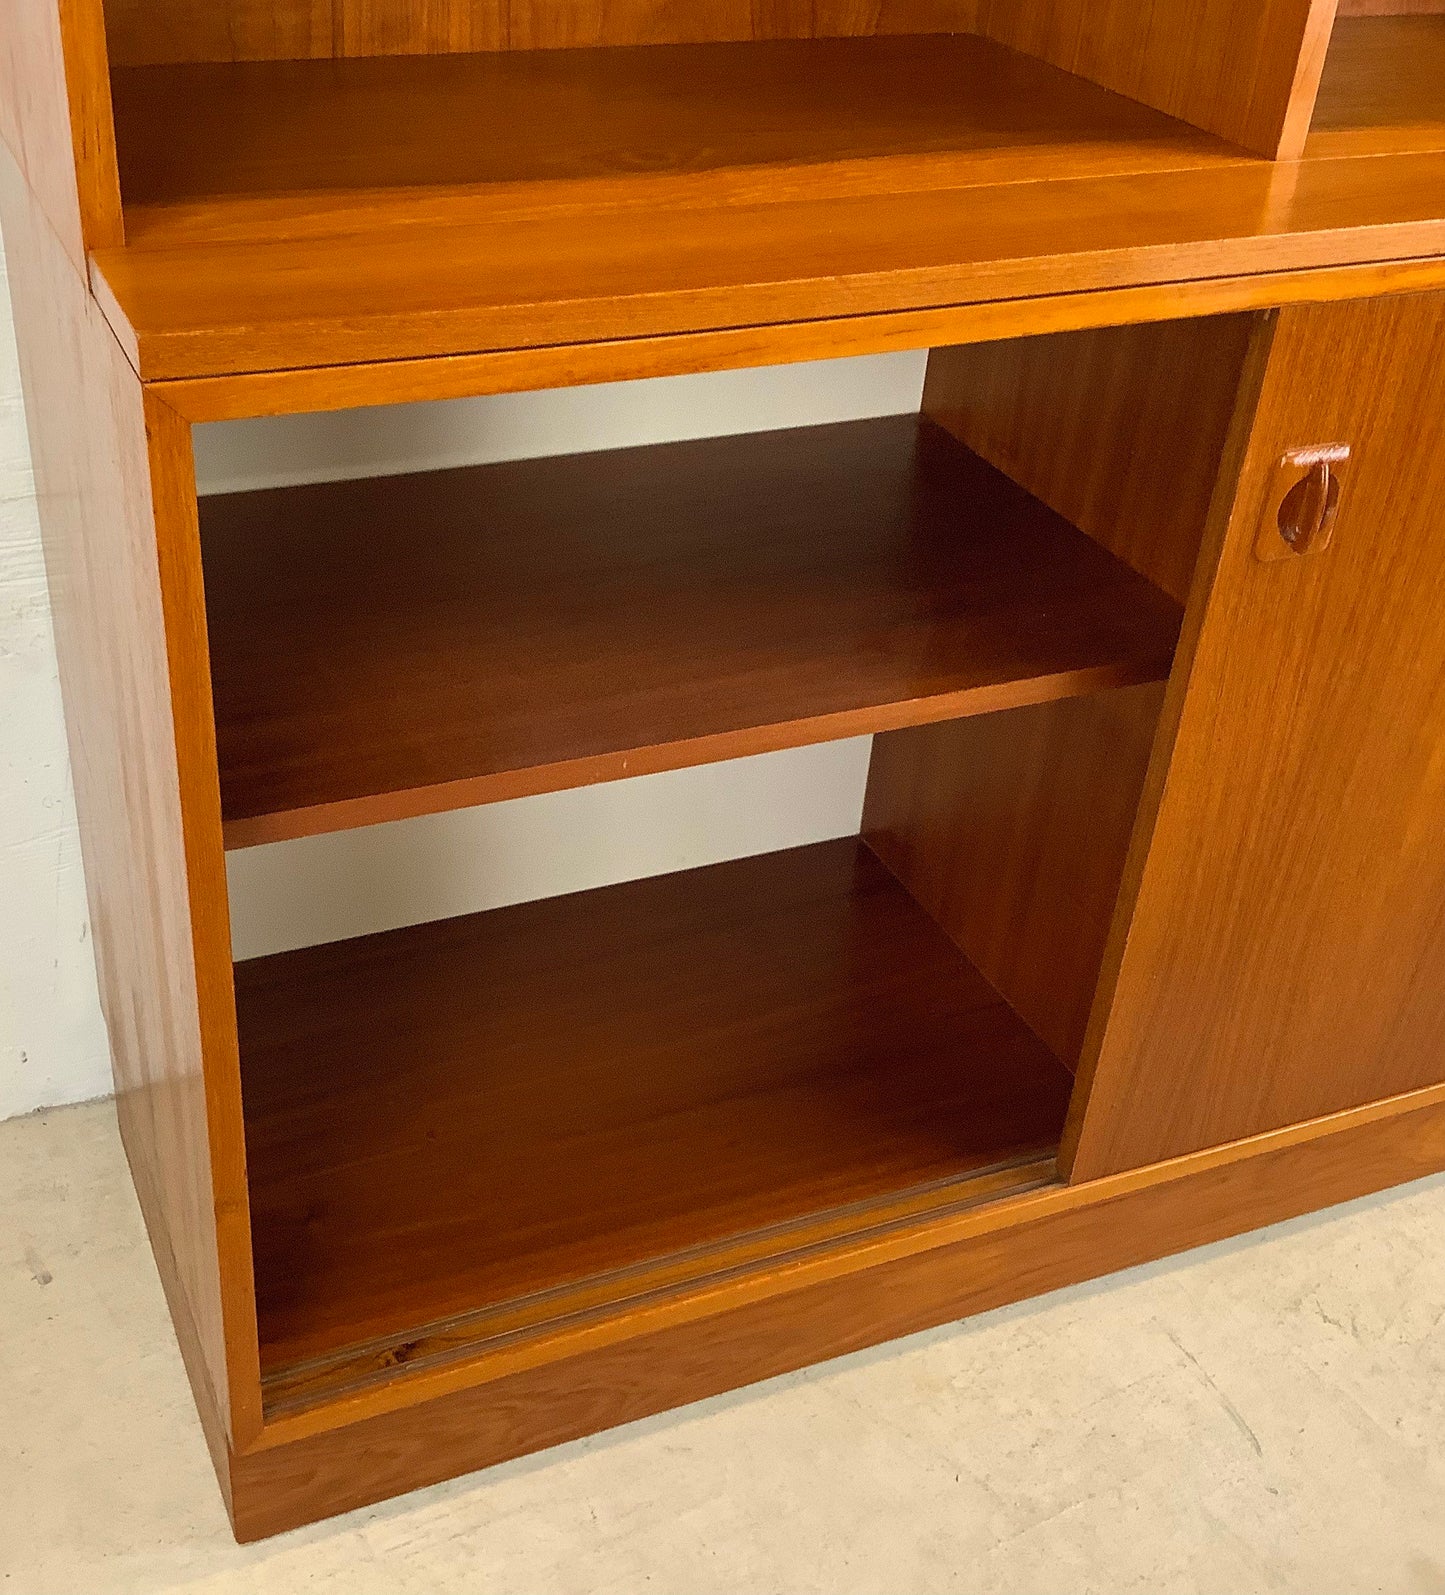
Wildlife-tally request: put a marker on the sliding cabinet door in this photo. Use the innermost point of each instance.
(1279, 950)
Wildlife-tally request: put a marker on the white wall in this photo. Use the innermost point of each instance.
(52, 1042)
(294, 893)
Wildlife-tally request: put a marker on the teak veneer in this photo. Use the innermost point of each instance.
(290, 213)
(1384, 88)
(400, 645)
(1140, 943)
(241, 150)
(440, 289)
(592, 1083)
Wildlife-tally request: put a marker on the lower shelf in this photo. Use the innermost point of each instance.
(475, 1125)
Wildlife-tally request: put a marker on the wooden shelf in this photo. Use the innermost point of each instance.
(461, 1129)
(281, 215)
(268, 148)
(401, 645)
(1383, 90)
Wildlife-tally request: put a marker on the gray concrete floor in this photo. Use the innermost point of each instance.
(1265, 1414)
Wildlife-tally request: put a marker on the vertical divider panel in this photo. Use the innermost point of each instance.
(1013, 829)
(1247, 70)
(1120, 430)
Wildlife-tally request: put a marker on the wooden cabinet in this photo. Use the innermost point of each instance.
(1142, 941)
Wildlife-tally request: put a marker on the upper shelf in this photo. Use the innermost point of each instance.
(288, 148)
(407, 644)
(301, 213)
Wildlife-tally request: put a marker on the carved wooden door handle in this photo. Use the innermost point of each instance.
(1304, 502)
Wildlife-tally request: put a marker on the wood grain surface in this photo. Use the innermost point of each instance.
(1011, 830)
(1074, 417)
(226, 30)
(458, 1115)
(308, 1396)
(1241, 68)
(1383, 89)
(55, 118)
(518, 1177)
(402, 645)
(396, 292)
(203, 146)
(730, 348)
(1389, 8)
(1284, 954)
(1245, 69)
(132, 663)
(647, 1361)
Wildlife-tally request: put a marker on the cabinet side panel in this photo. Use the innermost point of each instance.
(1120, 429)
(177, 546)
(55, 117)
(1011, 830)
(1245, 69)
(148, 31)
(92, 470)
(1286, 955)
(92, 122)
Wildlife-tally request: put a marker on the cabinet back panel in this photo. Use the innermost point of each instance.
(1119, 430)
(1011, 830)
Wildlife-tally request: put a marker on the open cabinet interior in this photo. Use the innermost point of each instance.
(249, 135)
(231, 127)
(473, 1128)
(218, 149)
(239, 121)
(546, 104)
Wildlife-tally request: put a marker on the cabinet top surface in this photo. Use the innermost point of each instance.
(284, 215)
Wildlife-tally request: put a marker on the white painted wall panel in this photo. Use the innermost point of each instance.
(294, 894)
(52, 1041)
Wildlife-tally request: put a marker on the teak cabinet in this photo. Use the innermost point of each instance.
(1142, 942)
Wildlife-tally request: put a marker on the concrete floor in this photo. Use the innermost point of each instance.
(1266, 1414)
